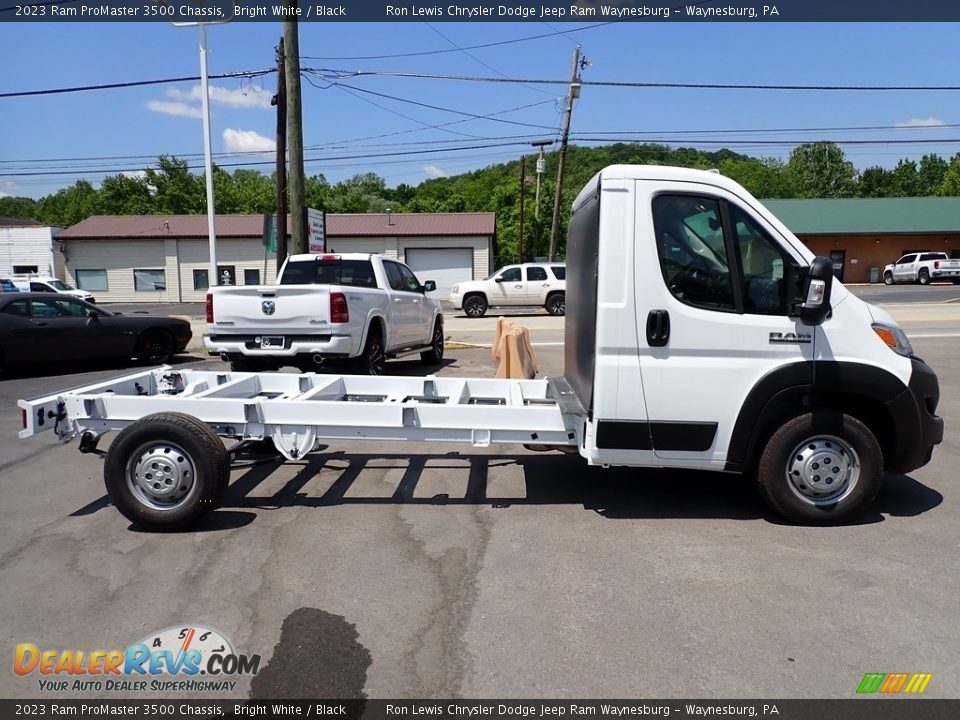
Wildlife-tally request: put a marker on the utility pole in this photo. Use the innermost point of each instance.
(280, 100)
(541, 169)
(573, 92)
(294, 129)
(523, 186)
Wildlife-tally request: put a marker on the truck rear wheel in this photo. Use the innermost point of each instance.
(820, 468)
(923, 277)
(556, 304)
(434, 356)
(373, 358)
(165, 470)
(475, 306)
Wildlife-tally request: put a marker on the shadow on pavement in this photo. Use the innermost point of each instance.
(54, 370)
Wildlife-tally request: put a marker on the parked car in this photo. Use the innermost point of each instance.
(41, 327)
(40, 283)
(922, 268)
(529, 284)
(356, 307)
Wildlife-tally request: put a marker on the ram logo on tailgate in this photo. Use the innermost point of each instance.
(269, 307)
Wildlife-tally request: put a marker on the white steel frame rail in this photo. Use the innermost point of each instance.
(297, 411)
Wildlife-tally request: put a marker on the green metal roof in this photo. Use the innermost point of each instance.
(868, 215)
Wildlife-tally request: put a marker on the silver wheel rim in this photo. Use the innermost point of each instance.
(559, 305)
(375, 363)
(823, 470)
(438, 342)
(473, 308)
(161, 476)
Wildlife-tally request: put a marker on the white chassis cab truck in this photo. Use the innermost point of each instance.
(700, 333)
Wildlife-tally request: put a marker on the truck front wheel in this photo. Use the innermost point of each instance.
(475, 306)
(165, 470)
(820, 468)
(434, 356)
(888, 278)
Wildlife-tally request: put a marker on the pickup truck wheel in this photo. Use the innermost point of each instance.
(556, 304)
(372, 359)
(475, 306)
(434, 356)
(165, 470)
(923, 277)
(154, 347)
(820, 468)
(887, 279)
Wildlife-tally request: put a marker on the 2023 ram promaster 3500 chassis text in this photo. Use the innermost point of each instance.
(700, 333)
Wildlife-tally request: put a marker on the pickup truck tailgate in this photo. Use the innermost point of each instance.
(271, 309)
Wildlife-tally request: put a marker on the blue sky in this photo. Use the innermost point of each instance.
(147, 121)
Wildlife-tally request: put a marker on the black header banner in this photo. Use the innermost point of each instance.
(441, 709)
(579, 11)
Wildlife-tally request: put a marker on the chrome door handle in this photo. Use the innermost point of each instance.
(396, 300)
(519, 287)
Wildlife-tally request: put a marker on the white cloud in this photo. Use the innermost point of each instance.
(247, 141)
(435, 172)
(922, 122)
(7, 185)
(236, 98)
(174, 108)
(135, 174)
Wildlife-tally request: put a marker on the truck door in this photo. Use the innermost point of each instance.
(403, 313)
(905, 270)
(509, 288)
(538, 285)
(714, 288)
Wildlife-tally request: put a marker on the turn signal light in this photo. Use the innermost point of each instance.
(886, 335)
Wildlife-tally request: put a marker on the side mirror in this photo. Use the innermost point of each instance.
(429, 286)
(498, 279)
(816, 292)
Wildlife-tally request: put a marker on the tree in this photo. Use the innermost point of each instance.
(906, 182)
(950, 185)
(875, 181)
(19, 207)
(821, 170)
(124, 195)
(930, 174)
(68, 206)
(176, 191)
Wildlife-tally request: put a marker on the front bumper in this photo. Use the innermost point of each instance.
(917, 427)
(456, 301)
(249, 346)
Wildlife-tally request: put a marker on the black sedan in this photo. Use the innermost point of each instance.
(45, 327)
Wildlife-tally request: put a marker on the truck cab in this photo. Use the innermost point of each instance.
(691, 341)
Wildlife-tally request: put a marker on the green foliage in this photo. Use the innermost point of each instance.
(814, 170)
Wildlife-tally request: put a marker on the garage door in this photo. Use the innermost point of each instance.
(445, 266)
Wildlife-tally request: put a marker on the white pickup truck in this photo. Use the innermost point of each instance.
(921, 268)
(352, 306)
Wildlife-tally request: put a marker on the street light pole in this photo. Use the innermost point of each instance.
(207, 158)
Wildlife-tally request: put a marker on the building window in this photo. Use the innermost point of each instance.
(148, 280)
(227, 274)
(92, 280)
(251, 277)
(24, 269)
(201, 279)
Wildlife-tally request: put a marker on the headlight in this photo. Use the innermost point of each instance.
(894, 338)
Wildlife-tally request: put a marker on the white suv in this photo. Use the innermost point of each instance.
(530, 284)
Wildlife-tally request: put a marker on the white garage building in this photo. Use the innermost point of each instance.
(156, 258)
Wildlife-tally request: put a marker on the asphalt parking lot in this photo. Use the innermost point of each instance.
(426, 570)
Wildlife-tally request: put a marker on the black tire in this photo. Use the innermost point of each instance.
(178, 448)
(373, 358)
(556, 304)
(807, 455)
(434, 356)
(888, 279)
(923, 277)
(956, 281)
(475, 306)
(3, 363)
(154, 347)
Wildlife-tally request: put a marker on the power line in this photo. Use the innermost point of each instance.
(341, 74)
(422, 53)
(136, 83)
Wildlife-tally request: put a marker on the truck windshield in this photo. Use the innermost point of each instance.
(357, 273)
(59, 285)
